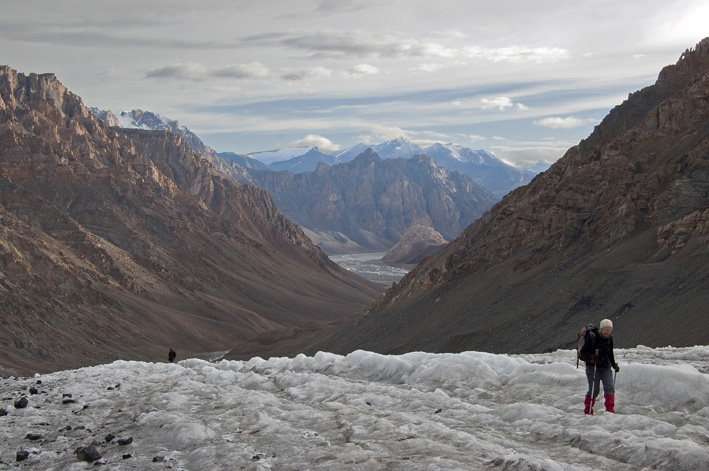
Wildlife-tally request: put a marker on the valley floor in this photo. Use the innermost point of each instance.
(364, 411)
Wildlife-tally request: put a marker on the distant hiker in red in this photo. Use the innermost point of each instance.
(171, 356)
(597, 352)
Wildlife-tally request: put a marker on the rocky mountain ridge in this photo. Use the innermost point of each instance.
(618, 228)
(368, 203)
(120, 243)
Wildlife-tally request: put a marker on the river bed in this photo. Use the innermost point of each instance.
(371, 267)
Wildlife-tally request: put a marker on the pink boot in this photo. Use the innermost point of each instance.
(588, 404)
(610, 403)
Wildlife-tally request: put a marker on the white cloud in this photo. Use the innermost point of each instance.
(186, 71)
(563, 123)
(431, 67)
(304, 74)
(378, 134)
(517, 54)
(360, 70)
(254, 70)
(313, 140)
(500, 103)
(344, 44)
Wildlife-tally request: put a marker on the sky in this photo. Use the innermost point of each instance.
(523, 80)
(365, 411)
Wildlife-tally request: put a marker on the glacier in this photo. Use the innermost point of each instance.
(364, 411)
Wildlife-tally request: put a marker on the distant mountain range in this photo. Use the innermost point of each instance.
(368, 203)
(322, 204)
(482, 167)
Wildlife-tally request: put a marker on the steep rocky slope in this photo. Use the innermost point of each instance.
(618, 228)
(122, 243)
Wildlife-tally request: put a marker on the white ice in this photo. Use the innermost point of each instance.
(366, 411)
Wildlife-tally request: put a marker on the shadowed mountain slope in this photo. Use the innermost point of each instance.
(121, 243)
(618, 228)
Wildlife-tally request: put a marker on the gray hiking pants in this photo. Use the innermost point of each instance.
(600, 374)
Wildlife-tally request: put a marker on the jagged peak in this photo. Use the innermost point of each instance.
(691, 62)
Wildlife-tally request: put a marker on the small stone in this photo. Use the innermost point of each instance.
(33, 390)
(22, 403)
(125, 441)
(127, 456)
(109, 437)
(438, 411)
(3, 412)
(22, 455)
(88, 454)
(159, 459)
(68, 401)
(33, 436)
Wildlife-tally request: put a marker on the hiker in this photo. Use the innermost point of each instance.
(171, 356)
(598, 355)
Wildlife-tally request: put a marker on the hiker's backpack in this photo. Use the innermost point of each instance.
(587, 335)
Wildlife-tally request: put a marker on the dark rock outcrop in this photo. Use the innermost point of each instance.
(119, 243)
(618, 228)
(88, 453)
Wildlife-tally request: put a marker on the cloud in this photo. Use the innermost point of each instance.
(313, 140)
(500, 103)
(303, 74)
(186, 71)
(254, 70)
(360, 70)
(375, 134)
(378, 134)
(527, 153)
(347, 44)
(430, 67)
(338, 6)
(563, 123)
(517, 54)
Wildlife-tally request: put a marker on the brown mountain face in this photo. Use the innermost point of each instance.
(416, 243)
(123, 243)
(617, 228)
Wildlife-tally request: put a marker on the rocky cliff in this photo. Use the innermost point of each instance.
(122, 243)
(368, 203)
(618, 228)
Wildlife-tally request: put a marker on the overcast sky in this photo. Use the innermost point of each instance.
(523, 79)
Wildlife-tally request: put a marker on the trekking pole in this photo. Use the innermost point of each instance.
(593, 385)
